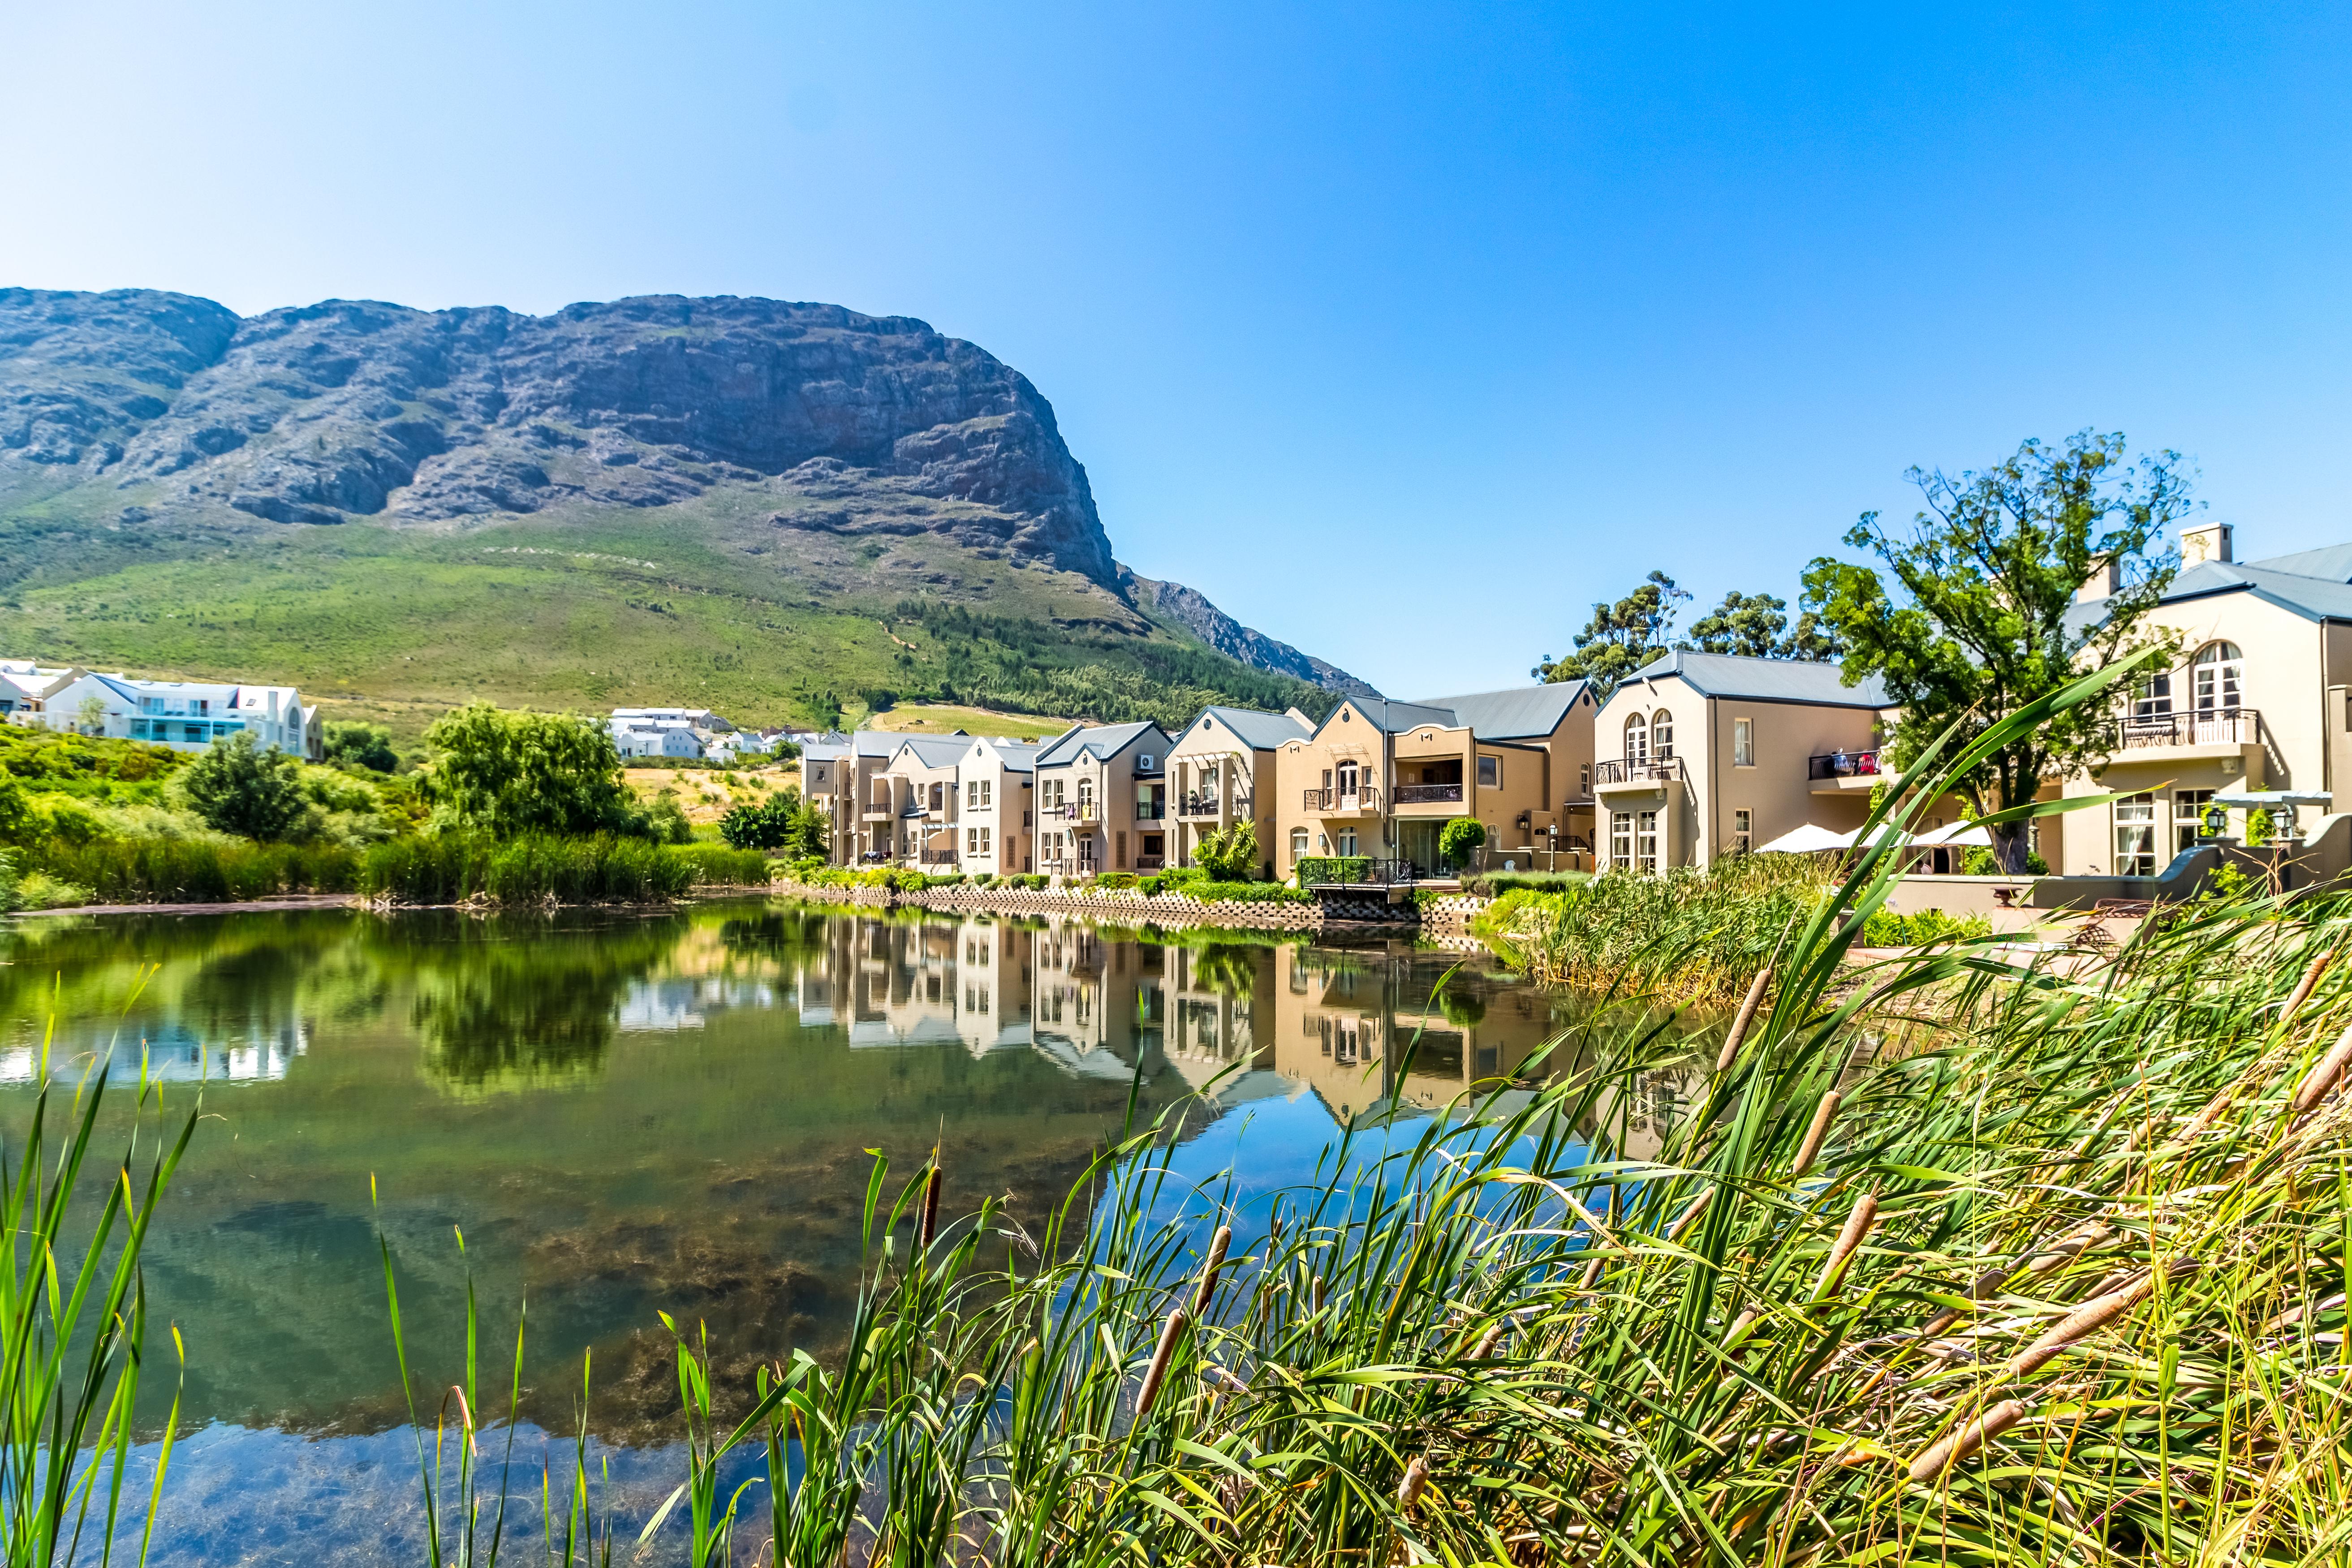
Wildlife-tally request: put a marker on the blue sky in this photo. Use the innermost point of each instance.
(1401, 336)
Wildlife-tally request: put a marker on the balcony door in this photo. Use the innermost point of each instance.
(1637, 742)
(2216, 681)
(1349, 780)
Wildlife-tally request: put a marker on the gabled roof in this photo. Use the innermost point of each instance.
(1395, 718)
(1014, 756)
(2316, 583)
(1259, 731)
(1764, 679)
(1099, 741)
(875, 743)
(933, 750)
(1520, 712)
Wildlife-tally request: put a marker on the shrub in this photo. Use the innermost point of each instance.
(242, 787)
(666, 821)
(1981, 862)
(1246, 892)
(1886, 929)
(1119, 880)
(1494, 884)
(1461, 840)
(1333, 868)
(510, 773)
(716, 866)
(1230, 856)
(360, 746)
(598, 868)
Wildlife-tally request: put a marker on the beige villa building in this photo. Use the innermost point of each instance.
(1381, 779)
(2259, 698)
(1221, 774)
(1102, 800)
(996, 782)
(918, 789)
(1712, 754)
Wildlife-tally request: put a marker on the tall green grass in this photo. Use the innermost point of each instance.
(455, 868)
(73, 1320)
(1688, 935)
(194, 870)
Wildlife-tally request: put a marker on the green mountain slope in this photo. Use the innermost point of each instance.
(781, 510)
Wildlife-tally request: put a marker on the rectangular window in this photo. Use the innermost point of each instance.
(985, 847)
(2135, 837)
(2189, 818)
(1490, 772)
(1645, 843)
(971, 840)
(1743, 829)
(1347, 841)
(987, 793)
(971, 795)
(1621, 840)
(1584, 778)
(1743, 743)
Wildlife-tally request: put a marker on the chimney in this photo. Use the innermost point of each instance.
(2209, 541)
(2107, 577)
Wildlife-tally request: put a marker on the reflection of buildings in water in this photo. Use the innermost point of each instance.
(1216, 996)
(904, 984)
(683, 1004)
(1100, 1005)
(259, 1052)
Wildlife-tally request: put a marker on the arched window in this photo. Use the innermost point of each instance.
(1637, 739)
(2217, 678)
(1662, 736)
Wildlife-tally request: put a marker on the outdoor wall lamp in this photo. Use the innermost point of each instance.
(2217, 820)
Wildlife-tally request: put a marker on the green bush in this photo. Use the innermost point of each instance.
(1461, 839)
(1246, 892)
(513, 773)
(1494, 884)
(1029, 881)
(360, 746)
(1116, 879)
(194, 870)
(1315, 868)
(243, 787)
(1231, 855)
(1884, 927)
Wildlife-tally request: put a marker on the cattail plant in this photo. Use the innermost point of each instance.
(1810, 1149)
(1741, 1020)
(1947, 1453)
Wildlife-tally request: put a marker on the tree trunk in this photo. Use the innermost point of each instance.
(2009, 846)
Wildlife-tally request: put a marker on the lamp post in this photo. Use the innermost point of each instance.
(2217, 819)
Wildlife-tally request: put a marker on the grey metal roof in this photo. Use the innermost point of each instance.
(1259, 731)
(934, 750)
(1100, 740)
(1018, 756)
(2314, 583)
(824, 751)
(877, 743)
(1519, 713)
(1395, 718)
(1765, 679)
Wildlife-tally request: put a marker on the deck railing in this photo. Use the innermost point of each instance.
(1427, 794)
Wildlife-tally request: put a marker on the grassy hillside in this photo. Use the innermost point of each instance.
(708, 600)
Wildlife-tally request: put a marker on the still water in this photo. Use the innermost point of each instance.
(625, 1114)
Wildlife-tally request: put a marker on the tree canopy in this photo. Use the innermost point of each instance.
(1620, 638)
(1756, 626)
(512, 772)
(1982, 619)
(242, 787)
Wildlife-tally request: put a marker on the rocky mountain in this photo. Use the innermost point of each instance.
(866, 457)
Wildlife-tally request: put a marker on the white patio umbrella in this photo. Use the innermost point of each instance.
(1806, 840)
(1960, 835)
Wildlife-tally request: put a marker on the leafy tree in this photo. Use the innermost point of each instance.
(360, 746)
(1756, 626)
(767, 824)
(1230, 856)
(1461, 838)
(16, 808)
(243, 787)
(1984, 624)
(1620, 638)
(512, 772)
(92, 714)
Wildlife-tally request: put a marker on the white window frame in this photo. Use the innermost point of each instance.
(1743, 829)
(2135, 835)
(1743, 743)
(1645, 843)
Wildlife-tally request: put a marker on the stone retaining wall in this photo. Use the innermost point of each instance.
(1128, 906)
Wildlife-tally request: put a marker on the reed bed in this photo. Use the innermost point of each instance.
(194, 870)
(534, 869)
(1687, 935)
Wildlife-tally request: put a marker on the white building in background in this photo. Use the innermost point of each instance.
(185, 715)
(677, 733)
(25, 685)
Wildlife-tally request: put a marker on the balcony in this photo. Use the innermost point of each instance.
(1081, 811)
(2214, 734)
(1150, 862)
(1355, 871)
(1361, 801)
(1204, 803)
(880, 811)
(1427, 794)
(1638, 783)
(1155, 812)
(1841, 773)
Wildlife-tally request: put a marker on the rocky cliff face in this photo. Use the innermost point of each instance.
(353, 408)
(150, 412)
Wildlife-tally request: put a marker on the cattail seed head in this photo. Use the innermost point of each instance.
(1744, 1017)
(1488, 1341)
(1593, 1272)
(1211, 1268)
(2070, 1245)
(1157, 1373)
(1416, 1478)
(1810, 1149)
(1740, 1325)
(1690, 1215)
(2307, 985)
(1958, 1447)
(2090, 1317)
(1858, 1221)
(2324, 1073)
(928, 1226)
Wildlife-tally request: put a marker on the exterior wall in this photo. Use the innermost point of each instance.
(1300, 765)
(2296, 737)
(188, 716)
(929, 827)
(1513, 810)
(1698, 814)
(1245, 791)
(1006, 815)
(1113, 837)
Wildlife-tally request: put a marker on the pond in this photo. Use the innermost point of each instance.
(632, 1113)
